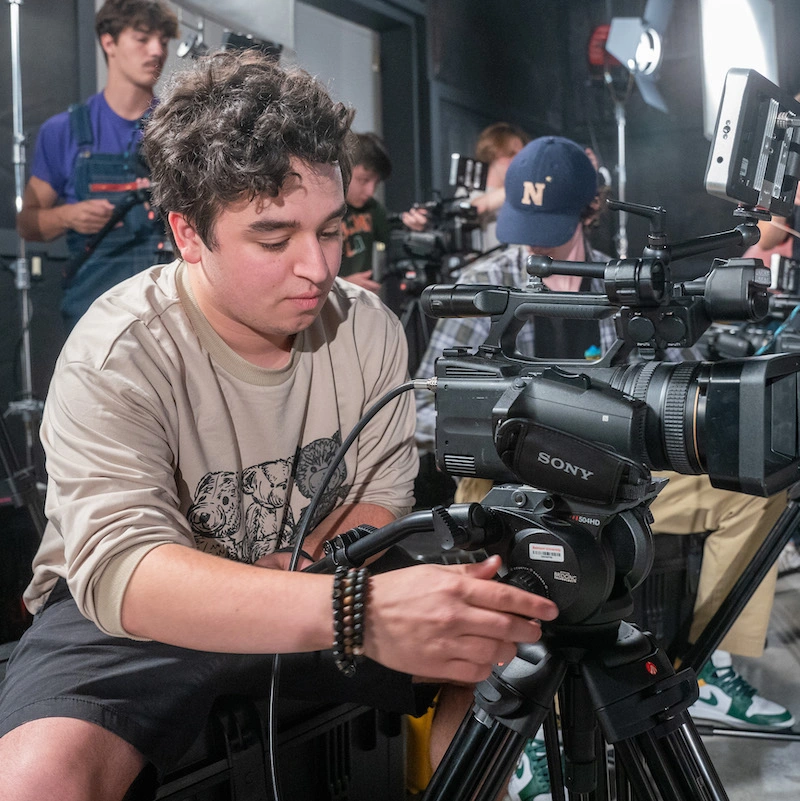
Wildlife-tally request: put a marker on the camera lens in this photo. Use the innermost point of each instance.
(673, 393)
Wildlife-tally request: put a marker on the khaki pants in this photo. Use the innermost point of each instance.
(736, 525)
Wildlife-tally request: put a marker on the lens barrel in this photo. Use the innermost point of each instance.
(673, 393)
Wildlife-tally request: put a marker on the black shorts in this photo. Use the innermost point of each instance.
(157, 697)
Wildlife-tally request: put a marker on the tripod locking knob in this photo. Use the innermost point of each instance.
(527, 579)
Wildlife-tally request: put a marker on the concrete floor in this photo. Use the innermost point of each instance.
(753, 768)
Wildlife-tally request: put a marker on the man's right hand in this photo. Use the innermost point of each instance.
(450, 622)
(87, 216)
(42, 217)
(415, 219)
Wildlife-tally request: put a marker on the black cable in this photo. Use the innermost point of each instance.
(302, 533)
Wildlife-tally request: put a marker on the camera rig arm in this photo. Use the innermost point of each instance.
(462, 526)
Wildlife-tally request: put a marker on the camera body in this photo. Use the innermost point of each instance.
(420, 258)
(583, 429)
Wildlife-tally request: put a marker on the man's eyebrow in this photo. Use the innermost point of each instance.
(266, 226)
(340, 212)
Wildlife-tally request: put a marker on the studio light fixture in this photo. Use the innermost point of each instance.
(637, 43)
(192, 46)
(735, 34)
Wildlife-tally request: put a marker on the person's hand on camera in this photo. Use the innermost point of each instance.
(489, 201)
(450, 622)
(415, 219)
(363, 280)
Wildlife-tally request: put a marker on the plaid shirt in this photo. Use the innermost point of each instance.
(506, 268)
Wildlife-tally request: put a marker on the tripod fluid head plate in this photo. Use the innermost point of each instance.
(585, 557)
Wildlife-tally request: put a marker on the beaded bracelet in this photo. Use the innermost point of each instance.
(349, 602)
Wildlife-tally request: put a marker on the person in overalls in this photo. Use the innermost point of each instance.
(88, 180)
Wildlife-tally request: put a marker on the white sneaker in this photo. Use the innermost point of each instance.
(725, 697)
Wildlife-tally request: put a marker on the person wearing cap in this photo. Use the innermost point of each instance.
(550, 190)
(550, 186)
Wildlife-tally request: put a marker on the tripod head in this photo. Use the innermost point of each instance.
(584, 555)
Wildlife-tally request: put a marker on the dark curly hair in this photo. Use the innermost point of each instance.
(226, 129)
(142, 15)
(371, 154)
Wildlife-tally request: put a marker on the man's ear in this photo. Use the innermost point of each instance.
(107, 43)
(186, 238)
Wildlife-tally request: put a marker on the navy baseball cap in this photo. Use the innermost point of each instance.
(548, 184)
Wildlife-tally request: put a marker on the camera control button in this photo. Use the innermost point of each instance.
(641, 329)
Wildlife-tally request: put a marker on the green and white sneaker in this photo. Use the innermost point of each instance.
(725, 697)
(531, 780)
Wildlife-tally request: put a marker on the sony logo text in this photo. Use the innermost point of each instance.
(565, 467)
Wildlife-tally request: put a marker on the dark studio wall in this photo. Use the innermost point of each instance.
(525, 61)
(491, 62)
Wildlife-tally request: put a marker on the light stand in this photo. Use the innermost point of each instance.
(635, 45)
(26, 407)
(622, 176)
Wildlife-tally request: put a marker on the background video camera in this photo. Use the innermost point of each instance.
(440, 251)
(580, 428)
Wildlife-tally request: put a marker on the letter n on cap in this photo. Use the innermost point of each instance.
(532, 193)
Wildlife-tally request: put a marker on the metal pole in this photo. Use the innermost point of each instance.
(27, 407)
(622, 178)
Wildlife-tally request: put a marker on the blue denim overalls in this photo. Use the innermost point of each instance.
(138, 242)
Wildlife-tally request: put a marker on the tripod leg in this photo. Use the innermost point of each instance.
(509, 708)
(553, 756)
(693, 752)
(742, 591)
(641, 704)
(673, 766)
(584, 750)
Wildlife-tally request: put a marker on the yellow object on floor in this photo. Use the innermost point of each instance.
(418, 752)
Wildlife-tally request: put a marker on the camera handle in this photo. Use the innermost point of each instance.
(461, 526)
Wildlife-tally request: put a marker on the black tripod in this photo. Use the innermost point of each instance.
(21, 481)
(614, 683)
(611, 680)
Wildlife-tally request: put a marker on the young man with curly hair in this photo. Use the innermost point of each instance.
(187, 424)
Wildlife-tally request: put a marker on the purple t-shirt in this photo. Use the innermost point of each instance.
(57, 148)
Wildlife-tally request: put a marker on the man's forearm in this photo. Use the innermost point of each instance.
(188, 598)
(41, 224)
(343, 519)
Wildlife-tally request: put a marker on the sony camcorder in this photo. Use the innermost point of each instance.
(583, 429)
